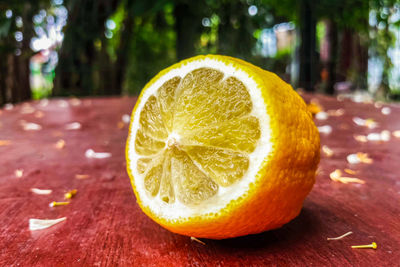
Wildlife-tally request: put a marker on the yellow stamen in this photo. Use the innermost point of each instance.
(373, 245)
(70, 194)
(197, 240)
(55, 204)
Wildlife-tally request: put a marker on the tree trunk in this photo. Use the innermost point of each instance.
(76, 72)
(187, 30)
(346, 54)
(308, 57)
(123, 52)
(332, 33)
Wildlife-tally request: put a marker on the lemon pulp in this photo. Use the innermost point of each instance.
(194, 136)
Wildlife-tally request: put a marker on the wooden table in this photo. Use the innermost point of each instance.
(105, 226)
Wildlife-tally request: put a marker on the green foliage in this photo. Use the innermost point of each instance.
(152, 49)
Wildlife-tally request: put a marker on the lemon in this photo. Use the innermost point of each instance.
(220, 148)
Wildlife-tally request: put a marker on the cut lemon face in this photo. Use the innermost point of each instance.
(213, 139)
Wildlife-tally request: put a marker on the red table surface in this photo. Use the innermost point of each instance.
(105, 226)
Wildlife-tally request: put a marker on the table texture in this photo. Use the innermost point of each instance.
(43, 145)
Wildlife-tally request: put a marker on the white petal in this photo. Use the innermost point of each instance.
(73, 126)
(41, 191)
(327, 129)
(126, 118)
(96, 155)
(30, 126)
(8, 106)
(374, 137)
(38, 224)
(385, 135)
(359, 121)
(321, 115)
(353, 159)
(386, 110)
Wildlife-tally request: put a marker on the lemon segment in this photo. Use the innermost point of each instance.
(201, 124)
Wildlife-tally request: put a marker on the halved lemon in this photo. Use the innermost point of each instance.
(219, 148)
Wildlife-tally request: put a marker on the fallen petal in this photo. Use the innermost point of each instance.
(327, 151)
(41, 191)
(346, 180)
(326, 129)
(197, 240)
(385, 135)
(73, 126)
(44, 102)
(339, 237)
(378, 104)
(19, 173)
(30, 126)
(126, 118)
(96, 155)
(60, 144)
(353, 159)
(374, 137)
(350, 171)
(75, 102)
(359, 121)
(321, 115)
(370, 123)
(335, 174)
(336, 113)
(39, 114)
(27, 109)
(386, 110)
(364, 158)
(396, 134)
(361, 138)
(81, 176)
(62, 104)
(38, 224)
(8, 106)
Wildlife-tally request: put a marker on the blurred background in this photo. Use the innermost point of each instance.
(113, 47)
